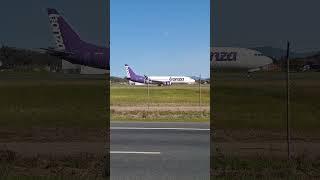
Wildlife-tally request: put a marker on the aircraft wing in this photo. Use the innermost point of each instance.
(160, 82)
(151, 81)
(254, 69)
(157, 82)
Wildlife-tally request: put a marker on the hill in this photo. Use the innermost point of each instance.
(114, 79)
(14, 58)
(277, 53)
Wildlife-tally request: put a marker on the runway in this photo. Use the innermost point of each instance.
(143, 150)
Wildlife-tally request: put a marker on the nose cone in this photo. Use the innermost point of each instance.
(259, 62)
(267, 60)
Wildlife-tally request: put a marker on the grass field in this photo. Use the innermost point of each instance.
(52, 107)
(50, 100)
(42, 99)
(249, 118)
(260, 101)
(244, 109)
(181, 103)
(171, 95)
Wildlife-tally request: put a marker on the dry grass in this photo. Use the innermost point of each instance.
(81, 166)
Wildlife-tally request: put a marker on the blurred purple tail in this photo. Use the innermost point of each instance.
(65, 37)
(130, 73)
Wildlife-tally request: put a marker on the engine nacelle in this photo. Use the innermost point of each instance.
(147, 81)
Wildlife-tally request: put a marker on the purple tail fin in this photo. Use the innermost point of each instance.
(65, 37)
(130, 73)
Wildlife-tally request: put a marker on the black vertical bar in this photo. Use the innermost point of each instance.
(107, 166)
(288, 99)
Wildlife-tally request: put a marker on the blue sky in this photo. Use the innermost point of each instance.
(160, 37)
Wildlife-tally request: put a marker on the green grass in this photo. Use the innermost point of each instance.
(52, 100)
(66, 100)
(260, 102)
(176, 95)
(172, 96)
(59, 100)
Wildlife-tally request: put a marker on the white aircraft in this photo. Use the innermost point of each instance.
(159, 80)
(238, 58)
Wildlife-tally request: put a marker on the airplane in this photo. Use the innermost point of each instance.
(238, 58)
(311, 67)
(159, 80)
(70, 47)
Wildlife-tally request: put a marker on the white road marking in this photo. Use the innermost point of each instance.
(139, 128)
(134, 152)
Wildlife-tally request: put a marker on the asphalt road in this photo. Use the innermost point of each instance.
(160, 151)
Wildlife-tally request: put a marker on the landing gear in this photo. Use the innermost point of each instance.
(168, 83)
(249, 74)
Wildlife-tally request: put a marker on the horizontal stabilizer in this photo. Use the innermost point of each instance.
(56, 52)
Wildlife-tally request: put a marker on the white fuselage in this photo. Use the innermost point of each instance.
(243, 58)
(173, 79)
